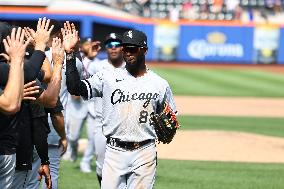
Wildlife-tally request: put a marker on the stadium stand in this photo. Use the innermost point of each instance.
(245, 10)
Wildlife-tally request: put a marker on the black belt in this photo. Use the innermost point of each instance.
(128, 145)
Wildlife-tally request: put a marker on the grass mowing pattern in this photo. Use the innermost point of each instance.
(223, 82)
(71, 177)
(258, 125)
(174, 174)
(218, 175)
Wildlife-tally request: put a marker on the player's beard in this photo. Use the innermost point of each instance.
(136, 67)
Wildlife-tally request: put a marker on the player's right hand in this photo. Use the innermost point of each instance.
(45, 171)
(42, 34)
(15, 45)
(70, 37)
(57, 51)
(30, 33)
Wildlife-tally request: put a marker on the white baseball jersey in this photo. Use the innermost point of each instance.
(90, 68)
(95, 105)
(129, 101)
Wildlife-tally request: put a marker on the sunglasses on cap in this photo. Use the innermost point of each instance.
(131, 49)
(113, 44)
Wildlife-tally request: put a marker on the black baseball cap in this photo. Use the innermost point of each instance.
(86, 39)
(134, 37)
(113, 37)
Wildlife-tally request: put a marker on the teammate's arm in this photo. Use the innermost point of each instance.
(33, 65)
(46, 69)
(41, 37)
(31, 68)
(74, 85)
(11, 98)
(58, 124)
(50, 96)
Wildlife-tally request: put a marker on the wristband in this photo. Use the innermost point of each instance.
(70, 56)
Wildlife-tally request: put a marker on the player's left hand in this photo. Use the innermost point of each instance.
(94, 49)
(45, 171)
(30, 90)
(5, 56)
(63, 144)
(30, 33)
(70, 36)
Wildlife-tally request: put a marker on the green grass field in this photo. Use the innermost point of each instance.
(257, 125)
(173, 174)
(223, 82)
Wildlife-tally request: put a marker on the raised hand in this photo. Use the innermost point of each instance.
(15, 45)
(94, 49)
(57, 51)
(30, 33)
(42, 34)
(70, 36)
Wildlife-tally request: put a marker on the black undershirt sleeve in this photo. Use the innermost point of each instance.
(4, 71)
(40, 133)
(31, 68)
(73, 82)
(41, 75)
(33, 65)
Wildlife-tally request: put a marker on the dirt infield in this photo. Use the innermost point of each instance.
(230, 106)
(219, 146)
(223, 146)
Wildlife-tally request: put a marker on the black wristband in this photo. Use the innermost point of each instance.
(70, 56)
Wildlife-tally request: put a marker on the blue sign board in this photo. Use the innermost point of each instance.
(222, 44)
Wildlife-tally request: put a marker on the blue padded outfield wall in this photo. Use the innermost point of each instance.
(280, 57)
(200, 43)
(216, 44)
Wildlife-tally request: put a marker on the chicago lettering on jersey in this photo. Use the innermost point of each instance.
(119, 96)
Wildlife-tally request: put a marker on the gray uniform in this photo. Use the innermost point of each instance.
(95, 107)
(128, 103)
(53, 149)
(78, 112)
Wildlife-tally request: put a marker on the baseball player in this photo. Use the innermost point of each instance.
(11, 98)
(89, 52)
(56, 138)
(78, 110)
(114, 60)
(129, 97)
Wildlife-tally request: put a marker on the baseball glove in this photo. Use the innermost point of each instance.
(165, 124)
